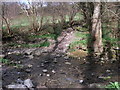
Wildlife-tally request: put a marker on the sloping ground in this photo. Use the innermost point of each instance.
(51, 67)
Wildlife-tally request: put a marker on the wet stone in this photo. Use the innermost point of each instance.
(45, 62)
(20, 81)
(68, 63)
(58, 55)
(30, 56)
(45, 70)
(37, 52)
(80, 81)
(42, 65)
(108, 71)
(66, 58)
(16, 86)
(93, 85)
(53, 71)
(40, 74)
(48, 75)
(28, 83)
(9, 53)
(2, 56)
(28, 70)
(28, 52)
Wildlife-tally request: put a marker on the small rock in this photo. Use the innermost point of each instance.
(68, 63)
(16, 52)
(18, 72)
(28, 70)
(29, 65)
(92, 74)
(108, 71)
(102, 58)
(84, 59)
(19, 46)
(117, 48)
(45, 70)
(70, 79)
(48, 75)
(31, 56)
(42, 65)
(46, 62)
(28, 83)
(80, 81)
(58, 55)
(40, 74)
(53, 71)
(66, 57)
(16, 86)
(93, 85)
(9, 53)
(2, 56)
(20, 81)
(28, 52)
(19, 62)
(38, 52)
(67, 45)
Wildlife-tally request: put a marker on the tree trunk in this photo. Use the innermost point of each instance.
(96, 32)
(118, 51)
(5, 18)
(8, 25)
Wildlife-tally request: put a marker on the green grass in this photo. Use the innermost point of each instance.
(81, 35)
(113, 86)
(4, 61)
(78, 43)
(107, 37)
(8, 62)
(43, 36)
(81, 29)
(83, 42)
(78, 16)
(107, 34)
(24, 21)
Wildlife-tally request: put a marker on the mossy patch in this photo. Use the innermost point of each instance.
(78, 53)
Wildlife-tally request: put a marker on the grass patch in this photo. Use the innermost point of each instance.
(108, 38)
(4, 61)
(113, 86)
(81, 35)
(78, 16)
(81, 42)
(10, 63)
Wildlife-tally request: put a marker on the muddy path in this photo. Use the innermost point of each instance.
(51, 67)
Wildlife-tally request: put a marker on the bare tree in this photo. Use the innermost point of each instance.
(73, 9)
(96, 29)
(4, 17)
(92, 16)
